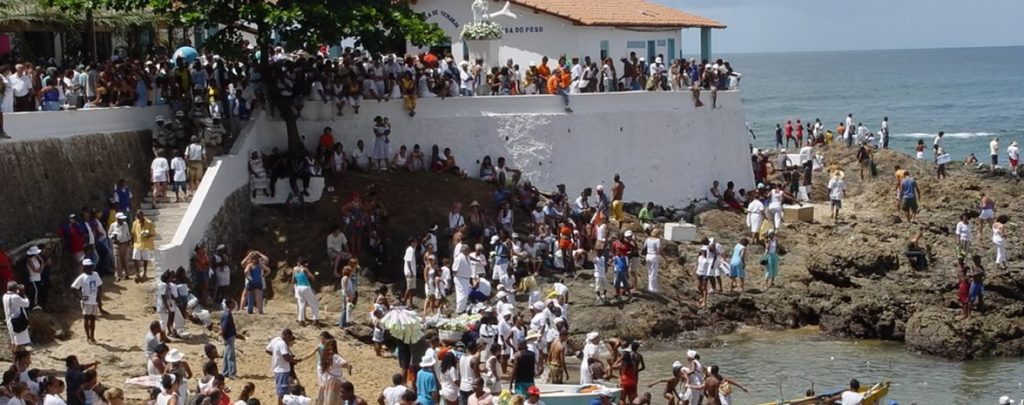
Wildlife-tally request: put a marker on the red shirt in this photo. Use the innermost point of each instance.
(620, 248)
(799, 129)
(6, 271)
(789, 129)
(327, 140)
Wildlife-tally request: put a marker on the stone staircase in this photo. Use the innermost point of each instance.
(166, 217)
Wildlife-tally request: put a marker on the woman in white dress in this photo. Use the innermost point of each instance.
(329, 374)
(258, 179)
(381, 130)
(755, 216)
(999, 239)
(590, 351)
(653, 257)
(14, 306)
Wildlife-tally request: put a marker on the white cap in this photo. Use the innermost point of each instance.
(34, 250)
(538, 306)
(690, 354)
(677, 364)
(87, 262)
(629, 234)
(533, 64)
(599, 187)
(592, 336)
(642, 59)
(121, 215)
(657, 60)
(1005, 400)
(495, 239)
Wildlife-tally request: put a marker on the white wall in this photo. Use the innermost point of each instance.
(666, 150)
(64, 124)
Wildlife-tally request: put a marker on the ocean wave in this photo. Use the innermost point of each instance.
(930, 135)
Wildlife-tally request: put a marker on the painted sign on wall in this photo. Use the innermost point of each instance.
(444, 15)
(531, 29)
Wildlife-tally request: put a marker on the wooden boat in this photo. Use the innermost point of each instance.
(873, 395)
(569, 394)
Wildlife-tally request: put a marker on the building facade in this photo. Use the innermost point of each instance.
(574, 28)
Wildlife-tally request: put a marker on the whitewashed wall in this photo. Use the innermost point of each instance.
(666, 150)
(62, 124)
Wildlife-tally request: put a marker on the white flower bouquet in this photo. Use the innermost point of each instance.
(482, 30)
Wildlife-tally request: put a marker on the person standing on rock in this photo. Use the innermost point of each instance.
(738, 265)
(771, 259)
(836, 192)
(409, 269)
(987, 213)
(909, 193)
(255, 265)
(755, 216)
(963, 289)
(590, 351)
(1013, 153)
(703, 268)
(999, 240)
(652, 248)
(601, 247)
(15, 304)
(963, 234)
(88, 285)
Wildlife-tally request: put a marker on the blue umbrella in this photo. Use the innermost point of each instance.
(186, 52)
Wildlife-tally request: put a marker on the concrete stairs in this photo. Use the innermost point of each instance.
(166, 217)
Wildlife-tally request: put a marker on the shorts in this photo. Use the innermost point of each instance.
(986, 214)
(909, 204)
(281, 383)
(837, 203)
(142, 254)
(1013, 162)
(620, 280)
(410, 283)
(737, 271)
(976, 291)
(90, 309)
(178, 186)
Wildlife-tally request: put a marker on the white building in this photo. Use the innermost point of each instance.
(576, 28)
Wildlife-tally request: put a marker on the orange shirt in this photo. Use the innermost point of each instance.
(553, 86)
(566, 79)
(544, 71)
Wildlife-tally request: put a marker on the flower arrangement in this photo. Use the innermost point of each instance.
(482, 30)
(458, 324)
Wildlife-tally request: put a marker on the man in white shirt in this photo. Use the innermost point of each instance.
(393, 395)
(179, 171)
(21, 83)
(337, 247)
(576, 74)
(455, 218)
(281, 358)
(121, 236)
(937, 144)
(409, 269)
(852, 396)
(836, 192)
(195, 154)
(885, 132)
(360, 159)
(993, 149)
(88, 285)
(463, 273)
(158, 171)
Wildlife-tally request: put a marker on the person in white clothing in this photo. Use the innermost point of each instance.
(15, 305)
(393, 394)
(993, 150)
(88, 285)
(305, 296)
(755, 216)
(999, 239)
(159, 171)
(836, 192)
(463, 274)
(963, 233)
(884, 132)
(590, 351)
(851, 396)
(1013, 153)
(409, 269)
(775, 199)
(180, 170)
(652, 247)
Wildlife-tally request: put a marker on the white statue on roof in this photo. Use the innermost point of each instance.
(480, 11)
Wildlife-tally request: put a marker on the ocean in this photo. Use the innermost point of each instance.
(972, 94)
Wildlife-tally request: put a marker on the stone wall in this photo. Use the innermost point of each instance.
(42, 181)
(231, 224)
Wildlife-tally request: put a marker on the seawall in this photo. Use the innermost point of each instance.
(666, 150)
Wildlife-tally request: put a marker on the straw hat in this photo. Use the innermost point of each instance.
(174, 356)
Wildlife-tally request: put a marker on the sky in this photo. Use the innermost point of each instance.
(837, 25)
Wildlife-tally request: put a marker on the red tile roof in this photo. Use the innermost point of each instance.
(623, 13)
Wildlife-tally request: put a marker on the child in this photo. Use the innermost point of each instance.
(919, 149)
(963, 290)
(621, 264)
(963, 233)
(446, 277)
(378, 330)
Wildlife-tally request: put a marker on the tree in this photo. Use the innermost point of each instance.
(301, 24)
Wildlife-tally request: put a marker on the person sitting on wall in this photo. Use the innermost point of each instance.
(729, 196)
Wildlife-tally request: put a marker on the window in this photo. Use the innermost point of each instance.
(604, 50)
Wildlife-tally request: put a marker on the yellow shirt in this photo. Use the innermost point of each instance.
(144, 235)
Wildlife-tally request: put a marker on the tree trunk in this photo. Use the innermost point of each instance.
(90, 37)
(284, 105)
